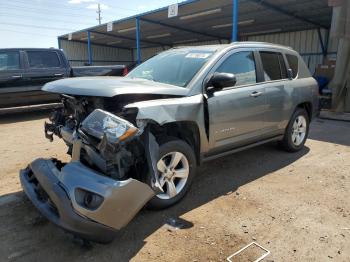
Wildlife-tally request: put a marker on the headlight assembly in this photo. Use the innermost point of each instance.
(100, 123)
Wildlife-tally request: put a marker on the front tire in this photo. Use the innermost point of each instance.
(176, 167)
(297, 131)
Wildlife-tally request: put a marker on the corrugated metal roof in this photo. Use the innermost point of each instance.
(206, 20)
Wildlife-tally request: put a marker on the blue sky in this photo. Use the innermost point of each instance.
(37, 23)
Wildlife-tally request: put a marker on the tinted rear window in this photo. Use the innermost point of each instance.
(43, 59)
(271, 66)
(293, 64)
(9, 60)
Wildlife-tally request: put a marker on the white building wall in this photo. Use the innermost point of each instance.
(77, 53)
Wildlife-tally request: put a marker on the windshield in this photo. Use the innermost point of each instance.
(175, 67)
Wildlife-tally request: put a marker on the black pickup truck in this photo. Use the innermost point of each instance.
(23, 71)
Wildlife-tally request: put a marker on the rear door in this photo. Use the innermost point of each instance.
(237, 113)
(275, 83)
(43, 66)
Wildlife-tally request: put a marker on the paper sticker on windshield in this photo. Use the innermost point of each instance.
(198, 55)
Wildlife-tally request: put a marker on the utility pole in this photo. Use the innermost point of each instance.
(99, 13)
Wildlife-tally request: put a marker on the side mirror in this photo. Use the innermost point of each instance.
(218, 81)
(290, 73)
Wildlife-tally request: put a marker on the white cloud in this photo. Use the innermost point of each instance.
(80, 1)
(95, 6)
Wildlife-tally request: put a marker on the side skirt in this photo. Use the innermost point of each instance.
(238, 149)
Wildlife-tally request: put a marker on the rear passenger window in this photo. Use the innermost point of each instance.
(9, 61)
(293, 64)
(274, 67)
(43, 59)
(242, 65)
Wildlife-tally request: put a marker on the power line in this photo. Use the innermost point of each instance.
(42, 18)
(36, 12)
(54, 4)
(71, 6)
(71, 16)
(43, 10)
(37, 26)
(36, 9)
(27, 33)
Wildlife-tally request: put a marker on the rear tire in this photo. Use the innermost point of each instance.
(177, 168)
(297, 131)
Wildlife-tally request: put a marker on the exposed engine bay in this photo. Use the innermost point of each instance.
(111, 143)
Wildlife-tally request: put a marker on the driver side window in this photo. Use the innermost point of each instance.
(242, 65)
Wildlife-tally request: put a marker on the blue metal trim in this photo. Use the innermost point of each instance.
(89, 48)
(285, 12)
(234, 20)
(181, 28)
(96, 44)
(135, 16)
(278, 32)
(138, 40)
(321, 42)
(327, 41)
(131, 39)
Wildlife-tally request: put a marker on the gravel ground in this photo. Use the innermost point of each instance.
(295, 205)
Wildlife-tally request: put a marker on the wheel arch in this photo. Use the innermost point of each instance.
(307, 105)
(187, 131)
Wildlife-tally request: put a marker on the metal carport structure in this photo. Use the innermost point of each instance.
(136, 38)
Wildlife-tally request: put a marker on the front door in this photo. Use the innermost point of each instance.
(11, 70)
(11, 77)
(237, 113)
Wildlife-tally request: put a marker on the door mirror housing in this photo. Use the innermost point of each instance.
(218, 81)
(290, 73)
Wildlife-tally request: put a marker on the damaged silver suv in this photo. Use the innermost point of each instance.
(137, 140)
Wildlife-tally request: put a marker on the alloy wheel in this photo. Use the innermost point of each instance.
(173, 174)
(299, 130)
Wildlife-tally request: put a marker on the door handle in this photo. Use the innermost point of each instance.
(58, 74)
(16, 76)
(256, 94)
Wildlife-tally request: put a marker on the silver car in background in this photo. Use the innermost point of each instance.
(137, 140)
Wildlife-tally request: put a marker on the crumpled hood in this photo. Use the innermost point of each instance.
(109, 86)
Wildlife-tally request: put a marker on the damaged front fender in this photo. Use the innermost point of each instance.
(163, 111)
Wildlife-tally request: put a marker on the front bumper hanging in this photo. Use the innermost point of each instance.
(58, 193)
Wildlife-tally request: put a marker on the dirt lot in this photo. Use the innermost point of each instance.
(295, 205)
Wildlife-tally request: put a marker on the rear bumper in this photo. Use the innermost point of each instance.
(58, 208)
(53, 190)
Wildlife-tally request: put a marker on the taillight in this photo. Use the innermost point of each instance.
(125, 71)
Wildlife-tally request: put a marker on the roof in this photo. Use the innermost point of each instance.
(236, 44)
(29, 49)
(205, 20)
